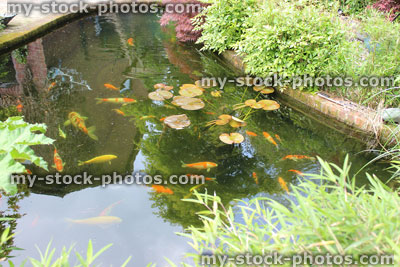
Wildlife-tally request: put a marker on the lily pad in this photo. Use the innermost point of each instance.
(202, 84)
(160, 95)
(163, 86)
(264, 90)
(269, 104)
(188, 103)
(236, 123)
(223, 119)
(177, 121)
(232, 138)
(253, 104)
(190, 90)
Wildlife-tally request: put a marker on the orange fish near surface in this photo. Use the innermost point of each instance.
(120, 112)
(58, 164)
(297, 157)
(51, 86)
(19, 106)
(162, 119)
(297, 172)
(251, 133)
(278, 138)
(269, 138)
(283, 184)
(111, 87)
(200, 165)
(130, 41)
(162, 189)
(255, 177)
(79, 122)
(116, 100)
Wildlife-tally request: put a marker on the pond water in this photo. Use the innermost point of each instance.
(66, 71)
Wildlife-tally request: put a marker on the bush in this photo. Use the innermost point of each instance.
(225, 23)
(325, 213)
(289, 40)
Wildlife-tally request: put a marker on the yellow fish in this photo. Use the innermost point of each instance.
(200, 165)
(100, 220)
(78, 122)
(283, 184)
(99, 159)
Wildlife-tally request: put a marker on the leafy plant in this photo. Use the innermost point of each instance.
(16, 136)
(326, 213)
(288, 40)
(226, 21)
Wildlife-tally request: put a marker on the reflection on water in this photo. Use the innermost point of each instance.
(67, 69)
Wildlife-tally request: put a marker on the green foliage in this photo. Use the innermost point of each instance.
(20, 54)
(225, 24)
(16, 136)
(289, 40)
(329, 215)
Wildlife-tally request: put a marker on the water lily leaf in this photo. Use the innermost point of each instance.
(206, 84)
(190, 90)
(223, 119)
(188, 103)
(160, 95)
(269, 104)
(177, 121)
(232, 138)
(163, 86)
(236, 123)
(253, 104)
(264, 90)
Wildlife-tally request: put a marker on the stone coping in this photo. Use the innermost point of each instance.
(339, 114)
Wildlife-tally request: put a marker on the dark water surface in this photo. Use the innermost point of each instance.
(82, 56)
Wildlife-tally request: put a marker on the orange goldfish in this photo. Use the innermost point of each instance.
(251, 133)
(197, 176)
(297, 172)
(255, 177)
(297, 157)
(162, 119)
(118, 111)
(79, 122)
(269, 138)
(19, 106)
(162, 189)
(51, 86)
(115, 100)
(111, 87)
(130, 41)
(58, 164)
(200, 165)
(283, 184)
(28, 171)
(278, 138)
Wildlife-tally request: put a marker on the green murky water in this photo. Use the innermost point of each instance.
(82, 56)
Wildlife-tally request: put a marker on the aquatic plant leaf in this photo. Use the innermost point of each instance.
(236, 123)
(177, 121)
(223, 119)
(190, 90)
(160, 95)
(206, 85)
(269, 104)
(163, 86)
(188, 103)
(264, 89)
(232, 138)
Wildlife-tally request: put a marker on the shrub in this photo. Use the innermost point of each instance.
(226, 21)
(289, 40)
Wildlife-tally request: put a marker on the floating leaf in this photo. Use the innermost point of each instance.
(206, 84)
(232, 138)
(269, 104)
(263, 89)
(163, 86)
(223, 119)
(188, 103)
(236, 123)
(190, 90)
(160, 95)
(177, 121)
